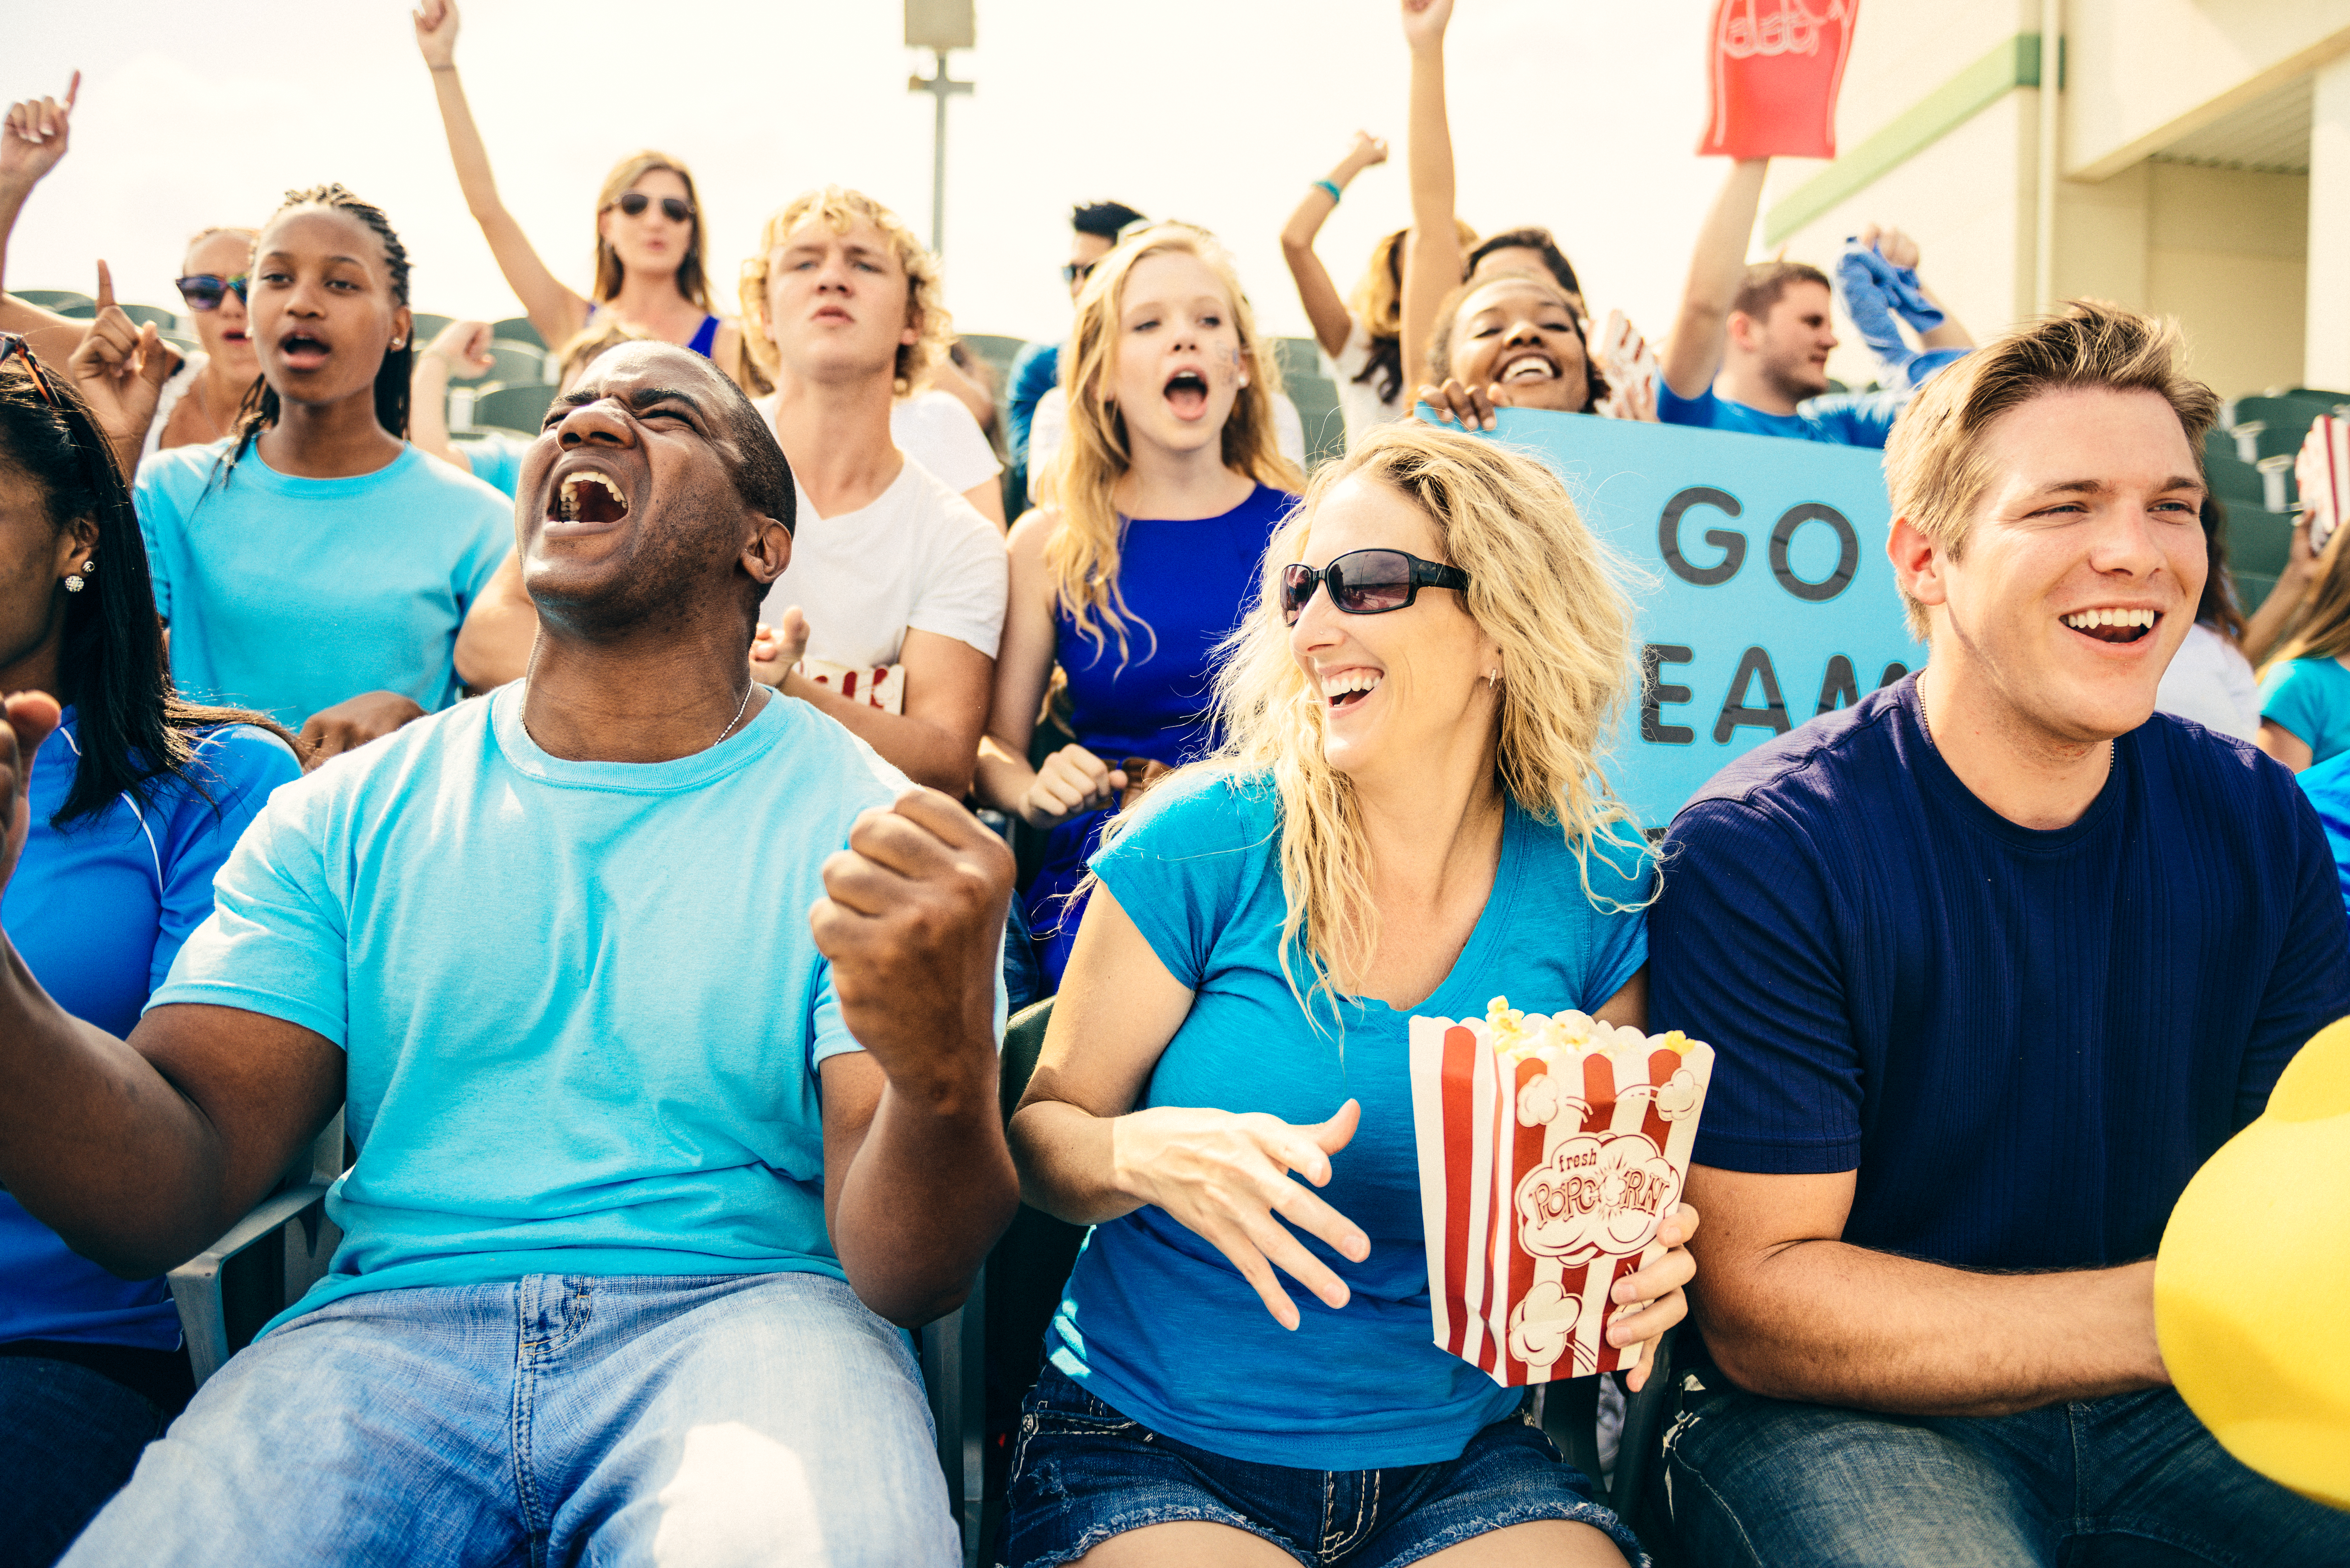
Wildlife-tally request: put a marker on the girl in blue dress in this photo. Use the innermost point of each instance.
(1165, 493)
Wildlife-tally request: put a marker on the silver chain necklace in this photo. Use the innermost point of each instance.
(740, 709)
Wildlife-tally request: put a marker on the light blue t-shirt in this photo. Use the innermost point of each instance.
(2310, 697)
(98, 910)
(1156, 1323)
(1839, 419)
(2327, 785)
(581, 1005)
(291, 594)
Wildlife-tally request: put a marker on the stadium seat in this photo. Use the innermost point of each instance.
(226, 1293)
(518, 329)
(1316, 397)
(520, 408)
(64, 301)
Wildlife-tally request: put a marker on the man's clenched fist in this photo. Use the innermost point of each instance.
(912, 920)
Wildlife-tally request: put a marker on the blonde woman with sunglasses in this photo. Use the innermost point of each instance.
(648, 235)
(1405, 815)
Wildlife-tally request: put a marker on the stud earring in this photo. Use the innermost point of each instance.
(76, 581)
(1493, 680)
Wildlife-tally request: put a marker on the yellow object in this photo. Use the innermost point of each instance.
(2251, 1288)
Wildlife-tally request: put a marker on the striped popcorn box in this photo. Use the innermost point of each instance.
(1551, 1150)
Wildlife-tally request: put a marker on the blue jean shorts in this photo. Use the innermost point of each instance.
(1083, 1473)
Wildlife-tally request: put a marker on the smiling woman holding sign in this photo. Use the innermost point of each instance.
(1406, 817)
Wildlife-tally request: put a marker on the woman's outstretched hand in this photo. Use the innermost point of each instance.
(1651, 1301)
(436, 33)
(35, 134)
(1471, 406)
(1424, 22)
(1072, 780)
(1225, 1177)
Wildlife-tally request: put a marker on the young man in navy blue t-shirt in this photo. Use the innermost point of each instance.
(1992, 962)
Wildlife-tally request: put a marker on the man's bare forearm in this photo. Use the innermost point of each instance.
(1831, 1324)
(926, 752)
(929, 1190)
(1717, 267)
(94, 1142)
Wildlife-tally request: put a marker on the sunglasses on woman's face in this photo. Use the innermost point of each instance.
(205, 290)
(1366, 582)
(672, 208)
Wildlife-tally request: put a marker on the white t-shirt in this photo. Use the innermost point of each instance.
(167, 398)
(1050, 423)
(2210, 681)
(1360, 401)
(935, 429)
(919, 558)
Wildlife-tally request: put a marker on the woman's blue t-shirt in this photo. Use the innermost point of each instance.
(98, 910)
(291, 594)
(1156, 1323)
(2310, 697)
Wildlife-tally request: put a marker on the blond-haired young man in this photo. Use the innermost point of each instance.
(1993, 960)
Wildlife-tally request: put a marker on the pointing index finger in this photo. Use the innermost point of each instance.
(105, 287)
(73, 90)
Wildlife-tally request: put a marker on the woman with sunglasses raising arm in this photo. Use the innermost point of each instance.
(200, 391)
(648, 233)
(136, 799)
(1404, 815)
(1160, 500)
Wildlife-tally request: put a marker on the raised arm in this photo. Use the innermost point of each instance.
(1902, 251)
(1323, 307)
(553, 308)
(460, 344)
(142, 1152)
(33, 136)
(1432, 262)
(1791, 1311)
(918, 1182)
(1717, 266)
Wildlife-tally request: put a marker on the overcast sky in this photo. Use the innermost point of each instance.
(1578, 114)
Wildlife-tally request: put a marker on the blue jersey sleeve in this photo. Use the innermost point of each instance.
(1741, 958)
(1179, 872)
(278, 940)
(1852, 419)
(1672, 409)
(238, 767)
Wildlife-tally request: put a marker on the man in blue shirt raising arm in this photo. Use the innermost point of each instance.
(1749, 350)
(664, 1013)
(1992, 962)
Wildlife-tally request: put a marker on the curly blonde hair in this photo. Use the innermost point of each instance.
(842, 209)
(1541, 584)
(1082, 551)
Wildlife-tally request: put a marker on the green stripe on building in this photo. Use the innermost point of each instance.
(2015, 63)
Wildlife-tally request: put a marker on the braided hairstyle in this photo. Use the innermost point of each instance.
(134, 731)
(260, 408)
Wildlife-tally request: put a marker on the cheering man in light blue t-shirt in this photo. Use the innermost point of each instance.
(650, 1156)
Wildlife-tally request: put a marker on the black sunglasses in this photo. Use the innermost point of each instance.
(1073, 273)
(13, 344)
(205, 290)
(674, 208)
(1366, 582)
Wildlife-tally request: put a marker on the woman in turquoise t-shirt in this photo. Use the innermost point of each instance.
(2304, 686)
(1406, 816)
(316, 566)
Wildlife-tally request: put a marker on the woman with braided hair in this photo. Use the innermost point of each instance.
(314, 564)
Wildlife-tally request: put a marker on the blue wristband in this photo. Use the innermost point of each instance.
(1331, 186)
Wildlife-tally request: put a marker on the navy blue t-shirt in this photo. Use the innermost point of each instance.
(2025, 1041)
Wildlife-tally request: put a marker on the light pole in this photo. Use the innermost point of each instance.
(939, 25)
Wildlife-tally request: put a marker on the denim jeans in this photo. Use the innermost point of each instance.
(2133, 1480)
(68, 1436)
(766, 1418)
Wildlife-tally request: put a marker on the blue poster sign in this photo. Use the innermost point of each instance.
(1768, 599)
